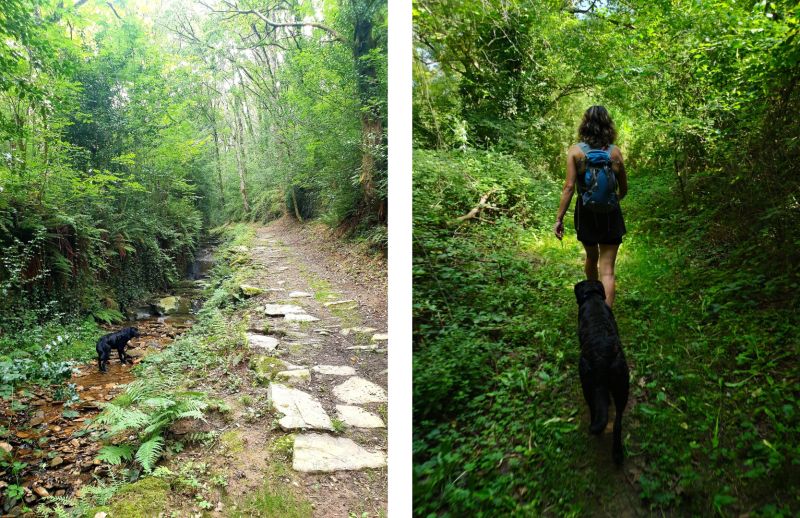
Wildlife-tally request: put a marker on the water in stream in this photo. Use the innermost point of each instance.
(53, 441)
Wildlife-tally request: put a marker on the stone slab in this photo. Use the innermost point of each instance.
(380, 337)
(279, 310)
(334, 370)
(314, 453)
(358, 417)
(299, 409)
(262, 342)
(299, 317)
(358, 391)
(299, 294)
(361, 330)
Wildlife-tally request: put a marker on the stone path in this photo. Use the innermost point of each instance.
(326, 369)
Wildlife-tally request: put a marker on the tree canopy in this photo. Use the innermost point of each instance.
(127, 129)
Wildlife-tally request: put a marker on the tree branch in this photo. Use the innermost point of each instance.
(476, 209)
(114, 10)
(588, 10)
(237, 12)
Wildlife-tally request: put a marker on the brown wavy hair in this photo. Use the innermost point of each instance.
(597, 129)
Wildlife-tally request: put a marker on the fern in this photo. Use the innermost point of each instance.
(115, 454)
(192, 414)
(60, 505)
(158, 402)
(149, 452)
(148, 407)
(109, 316)
(102, 492)
(121, 419)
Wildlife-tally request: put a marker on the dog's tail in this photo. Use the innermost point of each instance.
(601, 399)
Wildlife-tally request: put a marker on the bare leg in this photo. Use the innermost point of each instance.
(591, 262)
(608, 256)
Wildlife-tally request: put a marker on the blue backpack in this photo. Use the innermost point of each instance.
(598, 186)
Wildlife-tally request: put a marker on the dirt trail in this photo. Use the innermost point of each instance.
(287, 424)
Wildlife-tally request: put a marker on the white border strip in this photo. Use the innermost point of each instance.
(400, 501)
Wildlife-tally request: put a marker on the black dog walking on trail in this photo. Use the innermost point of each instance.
(602, 366)
(116, 341)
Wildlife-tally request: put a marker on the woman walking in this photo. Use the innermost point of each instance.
(600, 227)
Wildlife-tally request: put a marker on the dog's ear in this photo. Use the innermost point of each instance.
(585, 289)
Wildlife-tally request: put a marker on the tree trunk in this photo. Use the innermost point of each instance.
(371, 136)
(294, 204)
(219, 163)
(371, 122)
(240, 162)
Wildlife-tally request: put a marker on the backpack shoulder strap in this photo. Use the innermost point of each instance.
(584, 147)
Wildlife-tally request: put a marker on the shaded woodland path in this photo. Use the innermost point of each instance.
(310, 412)
(346, 348)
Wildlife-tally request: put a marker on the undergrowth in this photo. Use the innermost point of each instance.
(136, 425)
(500, 425)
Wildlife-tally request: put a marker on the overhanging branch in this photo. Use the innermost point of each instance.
(261, 16)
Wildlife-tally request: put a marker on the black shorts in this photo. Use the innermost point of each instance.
(597, 228)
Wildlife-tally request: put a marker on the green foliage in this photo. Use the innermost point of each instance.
(115, 455)
(98, 493)
(272, 502)
(98, 199)
(702, 96)
(141, 499)
(45, 354)
(150, 451)
(147, 408)
(297, 130)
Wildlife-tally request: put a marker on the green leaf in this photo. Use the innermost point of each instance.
(115, 454)
(149, 452)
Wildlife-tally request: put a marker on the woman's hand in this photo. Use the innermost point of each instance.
(558, 229)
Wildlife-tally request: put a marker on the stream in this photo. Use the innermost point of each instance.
(53, 440)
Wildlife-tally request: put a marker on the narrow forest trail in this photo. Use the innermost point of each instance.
(317, 339)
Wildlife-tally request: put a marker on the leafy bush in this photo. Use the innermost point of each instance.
(45, 354)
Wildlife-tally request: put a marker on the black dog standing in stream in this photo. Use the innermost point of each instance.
(116, 341)
(602, 365)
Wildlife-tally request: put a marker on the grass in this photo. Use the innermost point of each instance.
(324, 292)
(338, 425)
(273, 501)
(232, 441)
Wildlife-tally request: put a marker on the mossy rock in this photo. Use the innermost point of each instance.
(232, 440)
(266, 367)
(239, 260)
(250, 291)
(142, 499)
(166, 305)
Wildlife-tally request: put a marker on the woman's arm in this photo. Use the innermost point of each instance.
(566, 193)
(622, 177)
